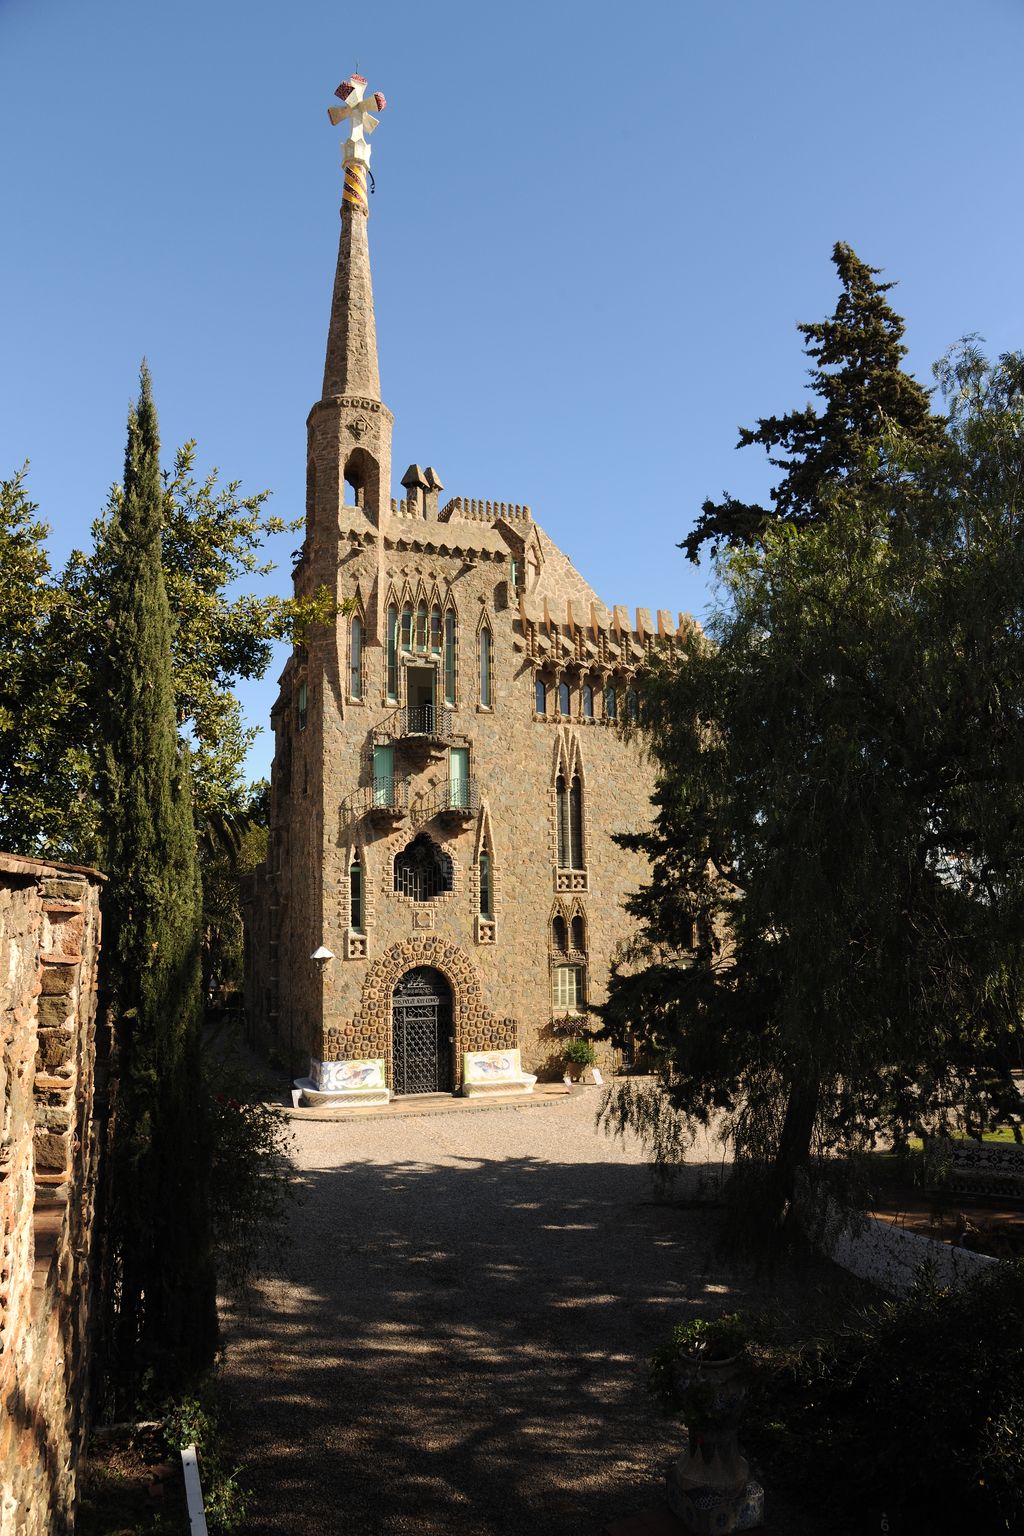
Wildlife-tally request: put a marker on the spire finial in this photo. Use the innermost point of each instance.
(355, 151)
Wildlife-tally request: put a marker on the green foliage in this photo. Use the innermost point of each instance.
(914, 1411)
(57, 629)
(250, 1182)
(579, 1053)
(230, 846)
(840, 814)
(192, 1420)
(162, 1290)
(857, 374)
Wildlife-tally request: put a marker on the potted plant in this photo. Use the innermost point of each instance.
(703, 1372)
(579, 1055)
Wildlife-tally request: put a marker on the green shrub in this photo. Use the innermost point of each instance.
(915, 1413)
(250, 1184)
(579, 1053)
(192, 1421)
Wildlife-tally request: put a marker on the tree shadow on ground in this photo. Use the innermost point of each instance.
(461, 1347)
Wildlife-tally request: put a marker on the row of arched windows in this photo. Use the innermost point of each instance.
(568, 936)
(559, 698)
(427, 631)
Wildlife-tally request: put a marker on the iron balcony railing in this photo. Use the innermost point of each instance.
(460, 797)
(386, 796)
(432, 721)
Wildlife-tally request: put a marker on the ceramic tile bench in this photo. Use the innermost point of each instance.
(344, 1083)
(976, 1168)
(494, 1072)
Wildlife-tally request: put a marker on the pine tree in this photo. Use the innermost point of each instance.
(163, 1288)
(856, 370)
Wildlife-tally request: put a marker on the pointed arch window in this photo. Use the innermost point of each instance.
(392, 682)
(407, 626)
(564, 698)
(632, 705)
(421, 626)
(356, 912)
(579, 934)
(355, 658)
(569, 812)
(485, 667)
(435, 629)
(588, 701)
(302, 706)
(559, 935)
(423, 871)
(486, 886)
(611, 702)
(540, 697)
(449, 657)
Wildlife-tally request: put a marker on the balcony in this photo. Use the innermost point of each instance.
(386, 800)
(430, 724)
(458, 801)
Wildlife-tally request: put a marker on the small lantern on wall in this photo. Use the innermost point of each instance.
(323, 957)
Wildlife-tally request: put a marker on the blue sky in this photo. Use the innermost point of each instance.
(594, 230)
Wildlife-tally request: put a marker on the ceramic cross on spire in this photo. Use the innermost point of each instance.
(355, 151)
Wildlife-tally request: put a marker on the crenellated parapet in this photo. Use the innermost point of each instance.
(484, 511)
(596, 635)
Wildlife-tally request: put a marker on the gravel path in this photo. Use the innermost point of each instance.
(460, 1345)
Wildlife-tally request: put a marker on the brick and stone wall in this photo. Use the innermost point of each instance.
(49, 947)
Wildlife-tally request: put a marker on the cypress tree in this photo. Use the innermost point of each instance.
(162, 1284)
(856, 356)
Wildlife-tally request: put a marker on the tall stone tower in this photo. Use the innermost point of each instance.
(442, 892)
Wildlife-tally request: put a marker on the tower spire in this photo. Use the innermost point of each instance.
(351, 367)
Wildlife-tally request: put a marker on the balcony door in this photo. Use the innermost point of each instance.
(421, 686)
(458, 778)
(383, 776)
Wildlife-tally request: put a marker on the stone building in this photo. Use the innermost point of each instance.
(450, 760)
(49, 1151)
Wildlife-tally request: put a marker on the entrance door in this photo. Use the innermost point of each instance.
(420, 684)
(421, 1029)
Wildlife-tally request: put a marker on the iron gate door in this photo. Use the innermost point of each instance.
(421, 1032)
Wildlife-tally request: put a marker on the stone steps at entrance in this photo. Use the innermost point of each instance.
(545, 1094)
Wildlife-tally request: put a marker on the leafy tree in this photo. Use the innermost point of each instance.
(840, 813)
(856, 371)
(163, 1289)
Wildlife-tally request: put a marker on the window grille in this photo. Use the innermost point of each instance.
(449, 657)
(356, 659)
(393, 654)
(567, 988)
(302, 706)
(423, 871)
(355, 895)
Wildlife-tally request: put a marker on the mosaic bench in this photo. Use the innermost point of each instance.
(494, 1072)
(976, 1168)
(354, 1084)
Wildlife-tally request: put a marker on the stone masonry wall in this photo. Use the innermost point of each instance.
(49, 947)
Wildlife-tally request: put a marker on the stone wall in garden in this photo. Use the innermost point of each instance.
(49, 1145)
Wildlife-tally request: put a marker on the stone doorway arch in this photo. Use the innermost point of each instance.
(422, 1033)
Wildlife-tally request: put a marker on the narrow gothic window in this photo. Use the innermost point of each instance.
(356, 659)
(407, 626)
(540, 701)
(588, 702)
(421, 627)
(562, 817)
(611, 702)
(579, 934)
(558, 935)
(449, 657)
(513, 574)
(563, 698)
(393, 654)
(302, 706)
(486, 897)
(632, 704)
(423, 870)
(435, 629)
(576, 822)
(355, 895)
(485, 667)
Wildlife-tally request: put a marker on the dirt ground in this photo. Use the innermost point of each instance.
(460, 1344)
